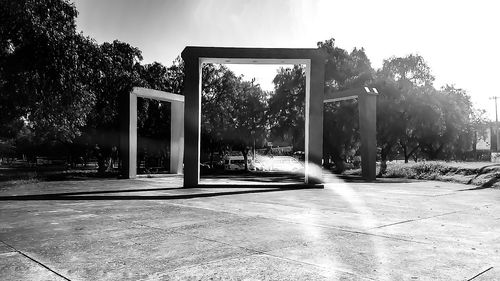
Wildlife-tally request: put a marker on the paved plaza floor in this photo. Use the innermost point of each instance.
(150, 229)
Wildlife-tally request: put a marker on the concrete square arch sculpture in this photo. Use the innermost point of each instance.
(128, 130)
(367, 108)
(313, 59)
(186, 111)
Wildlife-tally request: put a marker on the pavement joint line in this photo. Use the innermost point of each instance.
(352, 231)
(429, 217)
(212, 261)
(312, 264)
(480, 273)
(256, 253)
(308, 224)
(35, 261)
(444, 194)
(178, 232)
(187, 234)
(287, 205)
(329, 269)
(250, 250)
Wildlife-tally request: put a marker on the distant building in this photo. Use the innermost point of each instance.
(484, 140)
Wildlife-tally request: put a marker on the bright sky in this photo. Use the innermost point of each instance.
(459, 39)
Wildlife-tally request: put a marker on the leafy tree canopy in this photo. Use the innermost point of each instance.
(44, 67)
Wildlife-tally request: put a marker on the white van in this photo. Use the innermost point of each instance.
(234, 163)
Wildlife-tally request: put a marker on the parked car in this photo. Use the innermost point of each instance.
(258, 165)
(234, 163)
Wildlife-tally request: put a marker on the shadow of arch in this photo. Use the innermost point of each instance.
(95, 195)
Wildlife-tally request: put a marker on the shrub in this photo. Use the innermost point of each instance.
(421, 170)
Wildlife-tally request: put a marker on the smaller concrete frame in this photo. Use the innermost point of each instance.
(367, 105)
(128, 135)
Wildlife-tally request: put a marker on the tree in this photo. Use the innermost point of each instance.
(337, 69)
(411, 75)
(454, 136)
(155, 118)
(389, 123)
(231, 110)
(435, 124)
(479, 126)
(428, 122)
(250, 117)
(287, 106)
(341, 133)
(219, 86)
(168, 79)
(44, 67)
(411, 70)
(119, 71)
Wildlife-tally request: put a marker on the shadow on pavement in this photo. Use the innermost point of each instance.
(97, 192)
(95, 195)
(356, 179)
(256, 176)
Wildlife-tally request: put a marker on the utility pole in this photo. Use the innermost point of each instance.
(496, 120)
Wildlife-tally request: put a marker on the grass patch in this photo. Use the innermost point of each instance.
(483, 175)
(15, 177)
(420, 171)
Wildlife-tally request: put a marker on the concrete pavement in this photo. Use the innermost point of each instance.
(149, 229)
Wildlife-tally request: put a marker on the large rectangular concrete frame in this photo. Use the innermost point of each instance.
(314, 60)
(128, 135)
(367, 105)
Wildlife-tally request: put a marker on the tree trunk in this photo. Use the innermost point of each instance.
(339, 164)
(383, 163)
(245, 157)
(434, 153)
(384, 154)
(101, 165)
(211, 156)
(405, 154)
(474, 144)
(109, 164)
